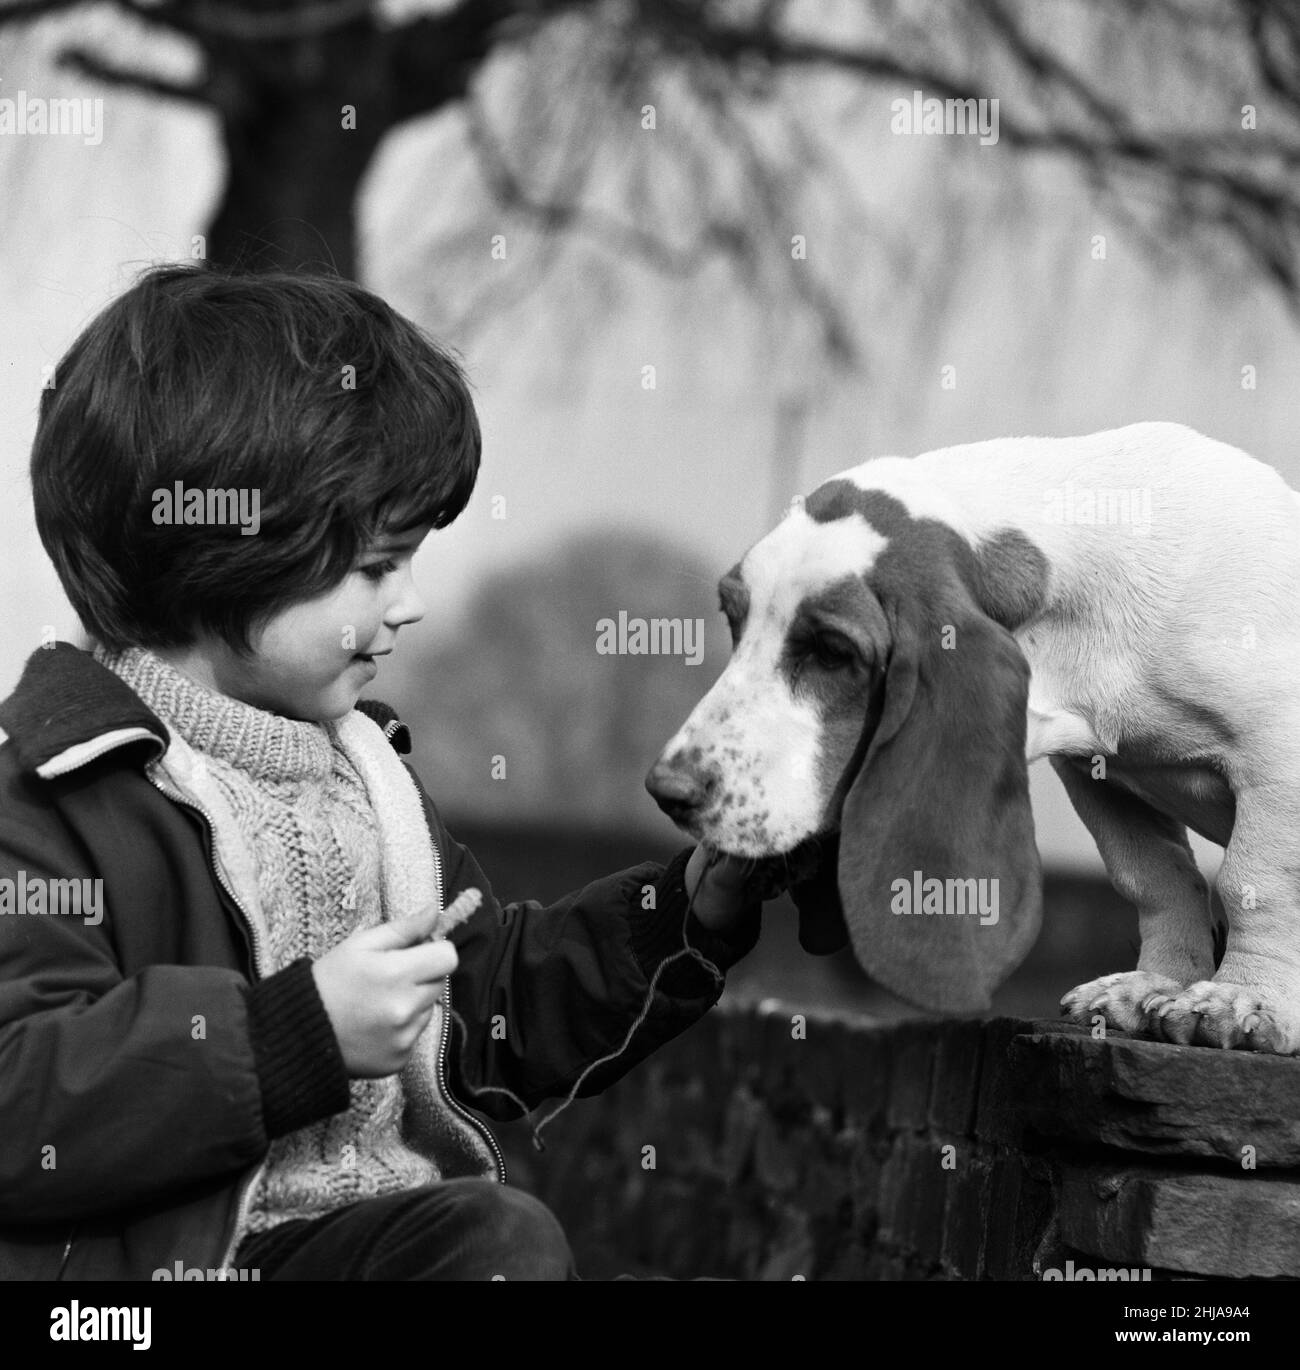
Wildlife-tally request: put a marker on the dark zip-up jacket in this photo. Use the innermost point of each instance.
(145, 1067)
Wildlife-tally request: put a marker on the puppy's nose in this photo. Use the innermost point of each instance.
(677, 792)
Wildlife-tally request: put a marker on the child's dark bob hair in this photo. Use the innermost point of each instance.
(344, 417)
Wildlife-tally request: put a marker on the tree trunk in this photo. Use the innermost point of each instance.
(302, 116)
(291, 190)
(300, 121)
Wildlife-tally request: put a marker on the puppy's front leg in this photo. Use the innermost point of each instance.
(1150, 863)
(1253, 1001)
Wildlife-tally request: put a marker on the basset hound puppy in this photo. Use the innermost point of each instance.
(917, 631)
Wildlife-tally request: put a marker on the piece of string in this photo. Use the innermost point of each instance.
(536, 1126)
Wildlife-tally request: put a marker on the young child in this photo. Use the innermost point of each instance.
(232, 1030)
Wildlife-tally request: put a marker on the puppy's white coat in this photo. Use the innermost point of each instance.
(1126, 604)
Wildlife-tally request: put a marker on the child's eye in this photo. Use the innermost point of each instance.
(379, 569)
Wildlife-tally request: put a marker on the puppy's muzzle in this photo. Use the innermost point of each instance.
(680, 791)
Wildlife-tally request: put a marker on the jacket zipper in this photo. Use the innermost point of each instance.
(67, 1251)
(103, 751)
(445, 1039)
(176, 797)
(245, 1196)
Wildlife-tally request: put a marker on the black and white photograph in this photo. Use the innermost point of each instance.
(650, 641)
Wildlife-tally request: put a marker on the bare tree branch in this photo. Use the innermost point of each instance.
(567, 215)
(685, 25)
(272, 24)
(25, 11)
(1047, 68)
(1274, 32)
(436, 57)
(95, 68)
(1260, 212)
(772, 201)
(740, 58)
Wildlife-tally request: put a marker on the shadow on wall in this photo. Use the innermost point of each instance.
(1088, 930)
(528, 707)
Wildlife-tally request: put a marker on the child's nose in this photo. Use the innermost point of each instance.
(407, 606)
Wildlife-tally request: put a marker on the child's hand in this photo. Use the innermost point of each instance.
(379, 987)
(723, 889)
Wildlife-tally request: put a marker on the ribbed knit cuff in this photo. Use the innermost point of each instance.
(299, 1064)
(657, 934)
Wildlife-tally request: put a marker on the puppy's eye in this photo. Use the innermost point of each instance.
(832, 652)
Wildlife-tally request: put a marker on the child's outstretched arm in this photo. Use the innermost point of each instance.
(540, 993)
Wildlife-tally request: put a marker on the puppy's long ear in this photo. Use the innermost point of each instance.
(943, 792)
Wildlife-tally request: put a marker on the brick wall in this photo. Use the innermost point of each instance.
(826, 1147)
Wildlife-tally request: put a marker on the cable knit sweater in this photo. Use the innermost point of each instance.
(302, 811)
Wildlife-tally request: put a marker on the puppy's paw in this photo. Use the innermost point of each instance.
(1277, 1032)
(1119, 999)
(1213, 1013)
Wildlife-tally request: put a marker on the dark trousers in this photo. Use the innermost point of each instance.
(468, 1229)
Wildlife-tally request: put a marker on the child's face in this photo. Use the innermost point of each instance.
(312, 660)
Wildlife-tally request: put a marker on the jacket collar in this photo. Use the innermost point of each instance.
(67, 710)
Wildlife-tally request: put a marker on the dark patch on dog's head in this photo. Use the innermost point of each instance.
(841, 619)
(733, 600)
(834, 656)
(1006, 574)
(1013, 575)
